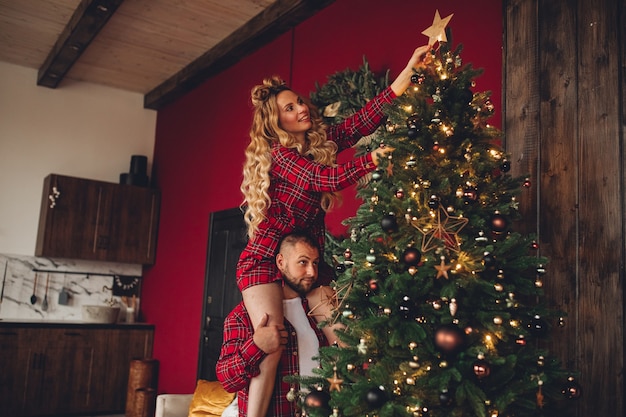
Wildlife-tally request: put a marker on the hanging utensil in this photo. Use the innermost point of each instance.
(64, 295)
(4, 280)
(33, 298)
(44, 304)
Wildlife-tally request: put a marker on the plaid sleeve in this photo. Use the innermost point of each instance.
(240, 357)
(310, 175)
(362, 123)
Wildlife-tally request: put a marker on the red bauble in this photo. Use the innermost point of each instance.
(481, 368)
(411, 257)
(449, 339)
(499, 223)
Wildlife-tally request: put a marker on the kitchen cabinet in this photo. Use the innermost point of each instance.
(68, 370)
(12, 374)
(96, 220)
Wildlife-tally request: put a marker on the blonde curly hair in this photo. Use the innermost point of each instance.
(264, 132)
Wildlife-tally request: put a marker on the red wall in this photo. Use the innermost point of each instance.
(200, 141)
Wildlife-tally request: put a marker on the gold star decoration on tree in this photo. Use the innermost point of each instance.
(439, 227)
(335, 383)
(442, 268)
(334, 300)
(437, 31)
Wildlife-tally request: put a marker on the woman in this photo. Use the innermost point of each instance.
(289, 181)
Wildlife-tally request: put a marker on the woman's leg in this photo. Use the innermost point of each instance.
(261, 299)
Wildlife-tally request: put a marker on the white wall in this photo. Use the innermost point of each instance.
(78, 129)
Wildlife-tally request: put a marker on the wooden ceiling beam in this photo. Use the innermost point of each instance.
(88, 19)
(260, 30)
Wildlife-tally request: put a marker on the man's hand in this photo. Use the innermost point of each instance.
(269, 338)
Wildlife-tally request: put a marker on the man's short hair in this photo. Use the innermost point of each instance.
(298, 236)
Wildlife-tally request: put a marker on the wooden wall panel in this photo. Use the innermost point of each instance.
(600, 303)
(559, 173)
(564, 102)
(521, 100)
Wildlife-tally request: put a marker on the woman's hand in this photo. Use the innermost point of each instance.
(419, 59)
(381, 152)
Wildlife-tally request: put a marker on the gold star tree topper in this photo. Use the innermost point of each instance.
(437, 31)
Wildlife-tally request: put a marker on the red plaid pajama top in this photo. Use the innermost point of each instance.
(240, 357)
(297, 184)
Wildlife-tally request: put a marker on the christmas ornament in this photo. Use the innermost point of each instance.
(481, 239)
(291, 395)
(539, 396)
(449, 338)
(433, 202)
(453, 307)
(340, 268)
(400, 193)
(317, 400)
(442, 268)
(572, 390)
(376, 397)
(362, 347)
(481, 368)
(437, 31)
(335, 383)
(489, 261)
(376, 175)
(470, 194)
(439, 227)
(347, 255)
(412, 124)
(445, 399)
(389, 223)
(538, 326)
(499, 223)
(370, 257)
(505, 166)
(406, 308)
(411, 257)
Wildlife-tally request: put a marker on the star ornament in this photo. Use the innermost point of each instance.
(334, 302)
(439, 227)
(442, 269)
(437, 31)
(335, 383)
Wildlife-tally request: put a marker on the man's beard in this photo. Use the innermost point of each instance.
(299, 288)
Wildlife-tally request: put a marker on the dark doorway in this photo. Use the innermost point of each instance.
(227, 238)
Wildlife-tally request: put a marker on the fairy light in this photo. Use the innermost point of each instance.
(489, 342)
(495, 153)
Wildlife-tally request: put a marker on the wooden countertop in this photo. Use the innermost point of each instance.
(17, 323)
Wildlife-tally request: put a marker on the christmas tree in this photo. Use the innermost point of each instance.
(440, 297)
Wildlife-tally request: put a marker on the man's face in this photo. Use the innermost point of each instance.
(299, 264)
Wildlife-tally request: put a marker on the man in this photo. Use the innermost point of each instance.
(299, 339)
